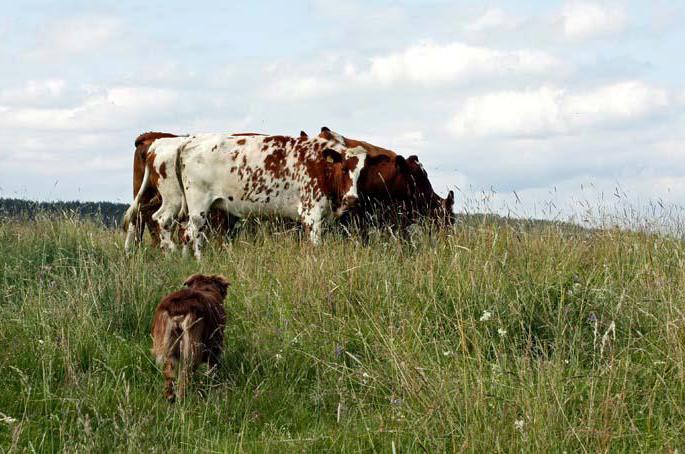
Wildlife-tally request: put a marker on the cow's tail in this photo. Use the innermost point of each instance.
(179, 178)
(132, 211)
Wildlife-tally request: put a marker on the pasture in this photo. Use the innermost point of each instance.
(493, 336)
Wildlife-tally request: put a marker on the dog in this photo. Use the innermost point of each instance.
(188, 328)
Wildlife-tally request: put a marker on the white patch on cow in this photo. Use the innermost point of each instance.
(165, 156)
(352, 193)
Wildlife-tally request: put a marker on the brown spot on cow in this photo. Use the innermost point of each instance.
(275, 162)
(241, 142)
(162, 170)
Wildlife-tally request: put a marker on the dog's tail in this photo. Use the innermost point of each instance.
(164, 337)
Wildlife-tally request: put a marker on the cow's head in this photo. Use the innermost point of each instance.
(428, 203)
(343, 167)
(203, 282)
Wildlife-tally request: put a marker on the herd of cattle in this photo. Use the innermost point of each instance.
(184, 181)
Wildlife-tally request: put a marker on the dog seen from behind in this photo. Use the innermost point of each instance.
(188, 330)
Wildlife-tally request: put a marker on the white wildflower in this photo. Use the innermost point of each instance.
(487, 315)
(278, 356)
(7, 419)
(41, 341)
(502, 332)
(447, 353)
(518, 424)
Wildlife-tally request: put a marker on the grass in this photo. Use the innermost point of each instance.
(491, 337)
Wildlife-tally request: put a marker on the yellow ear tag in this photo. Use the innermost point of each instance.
(330, 159)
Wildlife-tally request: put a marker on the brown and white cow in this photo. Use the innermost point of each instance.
(306, 179)
(394, 188)
(150, 200)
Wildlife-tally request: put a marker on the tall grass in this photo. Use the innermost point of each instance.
(489, 337)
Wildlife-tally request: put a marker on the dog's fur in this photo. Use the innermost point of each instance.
(188, 327)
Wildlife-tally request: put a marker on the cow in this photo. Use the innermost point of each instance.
(306, 179)
(395, 189)
(188, 327)
(150, 200)
(159, 169)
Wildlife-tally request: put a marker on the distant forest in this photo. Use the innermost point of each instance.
(108, 213)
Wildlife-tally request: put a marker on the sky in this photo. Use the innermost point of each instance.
(528, 107)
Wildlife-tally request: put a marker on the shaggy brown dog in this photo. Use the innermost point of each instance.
(188, 327)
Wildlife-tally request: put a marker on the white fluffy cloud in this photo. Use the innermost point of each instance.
(118, 106)
(549, 110)
(586, 20)
(430, 63)
(425, 63)
(33, 91)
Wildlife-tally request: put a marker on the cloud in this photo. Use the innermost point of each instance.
(112, 107)
(586, 20)
(33, 91)
(425, 63)
(432, 63)
(76, 35)
(494, 19)
(550, 111)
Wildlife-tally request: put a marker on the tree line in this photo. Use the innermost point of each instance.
(107, 213)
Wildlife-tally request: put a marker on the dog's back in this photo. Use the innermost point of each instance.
(188, 327)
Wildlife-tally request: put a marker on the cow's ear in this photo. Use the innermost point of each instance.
(303, 135)
(401, 162)
(332, 156)
(413, 158)
(327, 134)
(449, 201)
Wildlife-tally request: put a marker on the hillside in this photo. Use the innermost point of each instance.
(490, 337)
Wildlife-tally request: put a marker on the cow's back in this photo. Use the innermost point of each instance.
(249, 174)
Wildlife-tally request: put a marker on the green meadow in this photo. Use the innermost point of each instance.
(492, 336)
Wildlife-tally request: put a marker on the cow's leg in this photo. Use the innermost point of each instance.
(165, 218)
(194, 233)
(130, 238)
(198, 207)
(152, 227)
(311, 220)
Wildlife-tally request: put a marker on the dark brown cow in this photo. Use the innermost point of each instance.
(394, 190)
(188, 327)
(150, 201)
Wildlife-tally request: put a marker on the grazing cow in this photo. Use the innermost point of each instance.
(302, 178)
(150, 200)
(159, 169)
(394, 188)
(188, 327)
